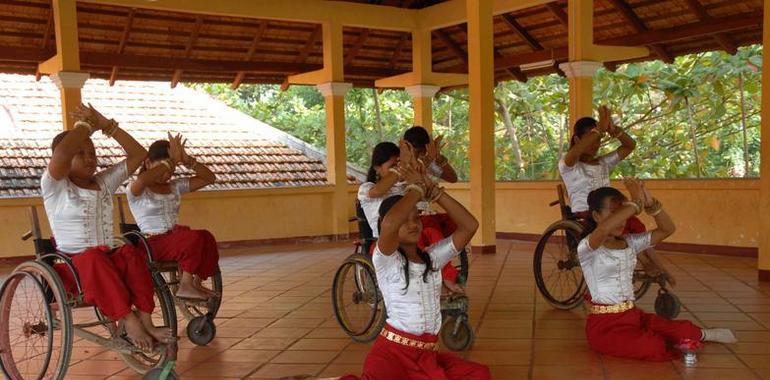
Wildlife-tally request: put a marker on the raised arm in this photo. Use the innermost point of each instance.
(627, 143)
(590, 138)
(67, 148)
(466, 222)
(665, 226)
(618, 218)
(438, 163)
(150, 176)
(383, 185)
(135, 152)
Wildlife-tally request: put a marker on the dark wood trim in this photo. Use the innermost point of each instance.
(763, 275)
(483, 249)
(279, 241)
(708, 249)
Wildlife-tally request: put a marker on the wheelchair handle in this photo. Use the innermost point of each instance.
(27, 235)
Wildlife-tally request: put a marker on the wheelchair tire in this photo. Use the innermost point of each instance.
(164, 316)
(563, 235)
(57, 327)
(157, 374)
(201, 330)
(462, 276)
(364, 293)
(457, 335)
(667, 305)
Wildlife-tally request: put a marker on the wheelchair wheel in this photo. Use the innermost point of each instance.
(201, 330)
(35, 324)
(557, 270)
(358, 304)
(456, 333)
(163, 316)
(667, 305)
(641, 282)
(462, 267)
(160, 374)
(193, 310)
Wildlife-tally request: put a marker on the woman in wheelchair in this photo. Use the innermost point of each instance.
(583, 171)
(154, 201)
(410, 284)
(384, 180)
(608, 256)
(78, 203)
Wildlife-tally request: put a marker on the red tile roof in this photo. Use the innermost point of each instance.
(244, 152)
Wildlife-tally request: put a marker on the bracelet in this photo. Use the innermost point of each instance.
(435, 194)
(416, 188)
(656, 212)
(594, 130)
(655, 209)
(636, 206)
(81, 123)
(168, 164)
(113, 129)
(396, 172)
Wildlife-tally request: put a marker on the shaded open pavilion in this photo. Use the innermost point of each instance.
(422, 46)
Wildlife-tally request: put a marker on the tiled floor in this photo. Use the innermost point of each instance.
(277, 320)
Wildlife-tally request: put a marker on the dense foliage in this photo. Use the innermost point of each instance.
(698, 117)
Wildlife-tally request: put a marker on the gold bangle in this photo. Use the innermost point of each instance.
(396, 172)
(656, 212)
(636, 206)
(416, 188)
(82, 123)
(168, 164)
(113, 129)
(436, 194)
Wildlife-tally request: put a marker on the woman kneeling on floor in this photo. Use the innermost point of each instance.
(615, 325)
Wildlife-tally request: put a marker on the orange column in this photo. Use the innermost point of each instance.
(764, 170)
(69, 83)
(580, 76)
(64, 67)
(336, 158)
(482, 122)
(422, 102)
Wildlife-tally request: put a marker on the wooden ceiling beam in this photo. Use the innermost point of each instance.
(250, 53)
(122, 44)
(305, 52)
(44, 43)
(188, 48)
(521, 32)
(452, 45)
(702, 15)
(557, 11)
(357, 46)
(397, 52)
(638, 26)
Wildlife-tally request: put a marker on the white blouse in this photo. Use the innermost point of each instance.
(417, 309)
(609, 272)
(158, 213)
(371, 206)
(583, 178)
(81, 218)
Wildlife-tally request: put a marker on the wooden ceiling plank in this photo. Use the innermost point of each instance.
(557, 11)
(358, 45)
(44, 43)
(702, 15)
(452, 45)
(188, 48)
(250, 53)
(521, 32)
(397, 52)
(122, 44)
(638, 26)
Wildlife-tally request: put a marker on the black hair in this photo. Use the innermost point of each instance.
(582, 126)
(417, 136)
(58, 139)
(596, 203)
(385, 206)
(158, 151)
(382, 152)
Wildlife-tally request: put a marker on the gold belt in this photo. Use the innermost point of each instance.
(612, 309)
(402, 340)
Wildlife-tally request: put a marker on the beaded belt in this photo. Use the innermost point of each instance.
(612, 309)
(402, 340)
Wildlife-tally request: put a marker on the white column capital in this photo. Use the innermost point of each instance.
(580, 68)
(422, 90)
(69, 79)
(334, 88)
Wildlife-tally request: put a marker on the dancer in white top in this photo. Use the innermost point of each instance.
(615, 326)
(154, 199)
(78, 203)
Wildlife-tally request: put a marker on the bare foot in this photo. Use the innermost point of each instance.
(198, 283)
(454, 287)
(137, 333)
(161, 334)
(192, 292)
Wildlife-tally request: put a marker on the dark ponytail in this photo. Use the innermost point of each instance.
(582, 126)
(382, 152)
(385, 206)
(158, 151)
(596, 203)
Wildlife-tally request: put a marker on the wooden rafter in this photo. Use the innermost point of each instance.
(558, 12)
(452, 45)
(44, 43)
(638, 26)
(122, 44)
(397, 52)
(188, 49)
(702, 15)
(305, 52)
(250, 53)
(357, 47)
(521, 32)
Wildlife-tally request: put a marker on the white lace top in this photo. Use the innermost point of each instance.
(416, 310)
(609, 272)
(81, 218)
(581, 178)
(158, 213)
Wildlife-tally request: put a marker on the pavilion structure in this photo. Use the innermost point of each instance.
(422, 46)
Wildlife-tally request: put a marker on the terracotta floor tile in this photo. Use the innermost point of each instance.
(321, 344)
(273, 371)
(336, 370)
(717, 373)
(561, 372)
(307, 357)
(264, 344)
(507, 358)
(215, 369)
(248, 356)
(756, 361)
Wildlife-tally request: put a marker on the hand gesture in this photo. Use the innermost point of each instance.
(605, 120)
(185, 157)
(101, 121)
(175, 148)
(647, 197)
(433, 150)
(84, 113)
(634, 187)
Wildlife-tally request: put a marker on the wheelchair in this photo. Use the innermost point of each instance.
(360, 308)
(39, 318)
(559, 278)
(199, 315)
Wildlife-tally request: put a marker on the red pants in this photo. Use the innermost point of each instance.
(195, 250)
(435, 228)
(388, 361)
(638, 335)
(112, 280)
